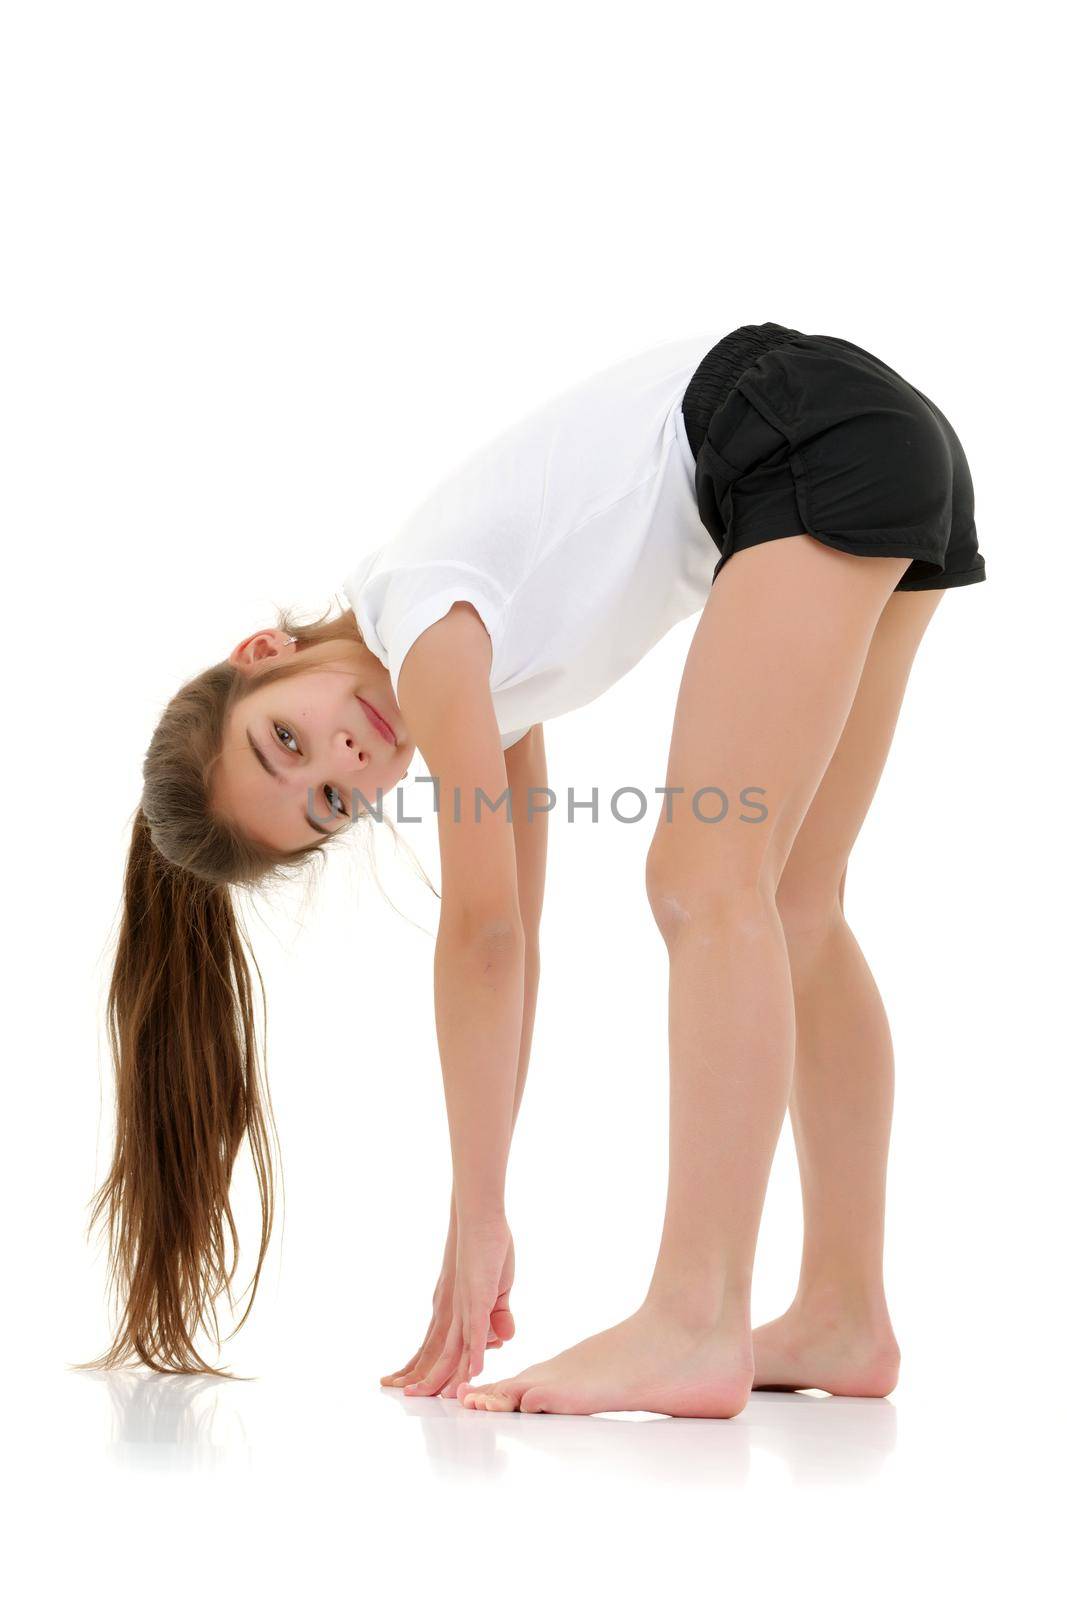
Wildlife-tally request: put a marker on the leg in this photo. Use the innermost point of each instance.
(837, 1334)
(768, 683)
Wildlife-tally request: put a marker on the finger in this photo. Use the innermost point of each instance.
(441, 1370)
(502, 1323)
(422, 1371)
(434, 1333)
(458, 1377)
(420, 1362)
(476, 1352)
(401, 1373)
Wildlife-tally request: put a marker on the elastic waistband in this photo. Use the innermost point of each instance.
(720, 369)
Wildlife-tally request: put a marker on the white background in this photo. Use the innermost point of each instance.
(271, 270)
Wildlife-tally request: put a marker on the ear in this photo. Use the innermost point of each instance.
(260, 646)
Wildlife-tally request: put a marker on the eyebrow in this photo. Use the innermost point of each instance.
(327, 833)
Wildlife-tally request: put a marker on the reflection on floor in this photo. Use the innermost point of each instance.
(195, 1424)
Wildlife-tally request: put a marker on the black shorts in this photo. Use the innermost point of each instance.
(804, 433)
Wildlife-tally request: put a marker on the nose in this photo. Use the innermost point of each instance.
(349, 751)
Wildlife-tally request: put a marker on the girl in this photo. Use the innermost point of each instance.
(813, 505)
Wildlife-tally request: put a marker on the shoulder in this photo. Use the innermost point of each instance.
(442, 686)
(457, 642)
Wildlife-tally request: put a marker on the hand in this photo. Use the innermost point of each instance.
(429, 1352)
(481, 1319)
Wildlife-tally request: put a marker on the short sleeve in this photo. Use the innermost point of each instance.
(394, 607)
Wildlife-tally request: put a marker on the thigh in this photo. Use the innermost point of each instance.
(814, 872)
(768, 683)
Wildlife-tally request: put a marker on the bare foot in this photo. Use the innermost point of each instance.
(646, 1363)
(837, 1354)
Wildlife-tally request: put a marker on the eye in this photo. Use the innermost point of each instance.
(333, 800)
(283, 734)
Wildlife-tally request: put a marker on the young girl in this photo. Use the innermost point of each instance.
(813, 505)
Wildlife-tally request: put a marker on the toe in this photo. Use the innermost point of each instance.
(502, 1400)
(475, 1399)
(563, 1403)
(493, 1396)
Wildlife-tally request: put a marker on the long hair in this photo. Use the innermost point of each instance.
(181, 1029)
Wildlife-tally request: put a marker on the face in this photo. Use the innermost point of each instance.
(316, 731)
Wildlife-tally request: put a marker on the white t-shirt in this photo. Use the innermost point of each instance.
(574, 534)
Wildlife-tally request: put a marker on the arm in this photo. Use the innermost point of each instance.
(479, 961)
(478, 997)
(527, 769)
(479, 975)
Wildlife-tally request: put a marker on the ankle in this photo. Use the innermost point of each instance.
(843, 1306)
(722, 1310)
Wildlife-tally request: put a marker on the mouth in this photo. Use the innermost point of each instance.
(378, 721)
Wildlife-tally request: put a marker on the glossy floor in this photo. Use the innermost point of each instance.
(321, 1483)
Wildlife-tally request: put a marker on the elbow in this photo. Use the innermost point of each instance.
(501, 932)
(503, 937)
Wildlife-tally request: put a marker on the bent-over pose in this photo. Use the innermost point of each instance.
(812, 505)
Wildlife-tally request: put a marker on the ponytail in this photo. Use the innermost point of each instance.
(181, 1028)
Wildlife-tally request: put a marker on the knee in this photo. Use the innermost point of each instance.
(688, 898)
(810, 904)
